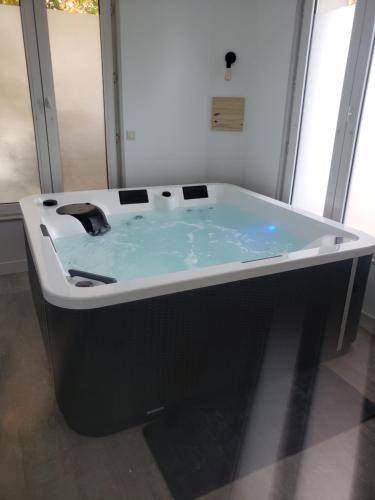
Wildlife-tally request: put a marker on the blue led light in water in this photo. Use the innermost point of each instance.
(271, 227)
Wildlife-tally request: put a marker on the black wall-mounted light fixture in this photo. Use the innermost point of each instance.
(230, 59)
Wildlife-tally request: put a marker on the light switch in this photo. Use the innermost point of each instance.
(130, 135)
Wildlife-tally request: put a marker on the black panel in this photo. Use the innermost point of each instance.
(195, 192)
(50, 203)
(359, 289)
(133, 196)
(39, 302)
(45, 232)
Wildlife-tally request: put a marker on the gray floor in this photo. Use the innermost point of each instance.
(40, 458)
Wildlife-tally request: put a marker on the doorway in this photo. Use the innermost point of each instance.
(58, 123)
(330, 40)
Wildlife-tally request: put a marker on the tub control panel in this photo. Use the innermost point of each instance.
(194, 192)
(133, 196)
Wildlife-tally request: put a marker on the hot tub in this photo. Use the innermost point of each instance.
(151, 297)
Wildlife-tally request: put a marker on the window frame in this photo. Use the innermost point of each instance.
(111, 91)
(297, 86)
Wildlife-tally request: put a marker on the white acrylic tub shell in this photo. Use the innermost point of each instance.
(59, 291)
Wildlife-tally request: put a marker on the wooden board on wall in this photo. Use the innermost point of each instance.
(228, 113)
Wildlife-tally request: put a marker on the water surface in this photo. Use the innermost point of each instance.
(159, 242)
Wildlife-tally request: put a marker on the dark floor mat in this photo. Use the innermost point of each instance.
(207, 445)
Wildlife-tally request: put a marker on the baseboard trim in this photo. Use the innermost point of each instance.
(13, 266)
(367, 322)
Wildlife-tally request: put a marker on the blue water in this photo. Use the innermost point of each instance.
(159, 242)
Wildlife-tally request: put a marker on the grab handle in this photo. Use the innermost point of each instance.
(91, 276)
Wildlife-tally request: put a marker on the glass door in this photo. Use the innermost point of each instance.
(19, 175)
(76, 57)
(360, 206)
(330, 41)
(58, 121)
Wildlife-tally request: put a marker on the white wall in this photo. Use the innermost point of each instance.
(165, 58)
(233, 27)
(173, 64)
(274, 28)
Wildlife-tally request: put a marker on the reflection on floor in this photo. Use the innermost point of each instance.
(40, 458)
